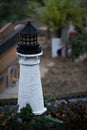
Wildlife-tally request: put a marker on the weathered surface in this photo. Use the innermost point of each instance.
(30, 87)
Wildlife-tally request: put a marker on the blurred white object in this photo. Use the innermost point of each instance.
(30, 88)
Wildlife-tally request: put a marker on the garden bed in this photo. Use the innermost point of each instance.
(64, 76)
(64, 115)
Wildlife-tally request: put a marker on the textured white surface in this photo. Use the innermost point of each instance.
(30, 88)
(56, 44)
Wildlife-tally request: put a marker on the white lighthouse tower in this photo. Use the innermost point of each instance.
(30, 87)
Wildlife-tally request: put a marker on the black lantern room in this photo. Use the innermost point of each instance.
(28, 43)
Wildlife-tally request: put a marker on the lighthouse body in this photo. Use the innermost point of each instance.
(30, 87)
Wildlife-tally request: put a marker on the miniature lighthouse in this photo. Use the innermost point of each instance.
(30, 87)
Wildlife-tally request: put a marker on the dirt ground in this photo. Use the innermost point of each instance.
(63, 76)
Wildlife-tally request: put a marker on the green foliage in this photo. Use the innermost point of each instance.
(77, 43)
(32, 6)
(56, 13)
(30, 121)
(43, 123)
(26, 113)
(74, 117)
(12, 11)
(10, 119)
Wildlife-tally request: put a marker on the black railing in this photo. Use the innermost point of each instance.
(28, 48)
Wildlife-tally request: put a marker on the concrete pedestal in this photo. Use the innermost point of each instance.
(30, 88)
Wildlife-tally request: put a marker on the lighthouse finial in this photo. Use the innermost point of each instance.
(29, 22)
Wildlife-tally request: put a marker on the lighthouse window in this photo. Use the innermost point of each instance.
(31, 36)
(35, 38)
(27, 36)
(23, 42)
(32, 39)
(23, 39)
(23, 36)
(27, 42)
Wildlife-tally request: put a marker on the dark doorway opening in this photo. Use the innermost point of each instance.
(59, 52)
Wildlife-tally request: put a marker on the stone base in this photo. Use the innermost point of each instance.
(40, 112)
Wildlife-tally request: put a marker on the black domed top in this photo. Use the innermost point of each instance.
(28, 40)
(28, 29)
